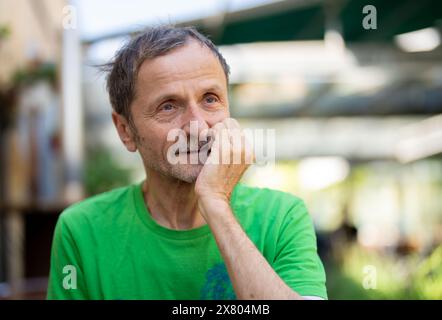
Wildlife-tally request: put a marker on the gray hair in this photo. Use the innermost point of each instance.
(148, 44)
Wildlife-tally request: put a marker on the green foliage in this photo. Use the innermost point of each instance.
(427, 280)
(44, 71)
(5, 32)
(397, 277)
(102, 173)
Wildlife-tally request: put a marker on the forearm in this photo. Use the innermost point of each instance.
(251, 275)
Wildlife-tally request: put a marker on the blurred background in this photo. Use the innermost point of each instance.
(353, 89)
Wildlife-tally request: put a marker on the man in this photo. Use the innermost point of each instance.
(189, 231)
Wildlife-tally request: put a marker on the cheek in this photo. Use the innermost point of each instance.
(226, 111)
(152, 139)
(159, 142)
(219, 117)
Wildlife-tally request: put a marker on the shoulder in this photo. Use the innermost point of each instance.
(267, 204)
(98, 207)
(246, 196)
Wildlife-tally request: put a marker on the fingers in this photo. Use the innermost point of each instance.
(231, 124)
(230, 143)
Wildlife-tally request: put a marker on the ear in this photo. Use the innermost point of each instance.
(125, 131)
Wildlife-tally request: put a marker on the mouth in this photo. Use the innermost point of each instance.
(205, 147)
(188, 151)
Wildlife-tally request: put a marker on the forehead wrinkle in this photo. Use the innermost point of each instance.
(181, 62)
(178, 84)
(174, 71)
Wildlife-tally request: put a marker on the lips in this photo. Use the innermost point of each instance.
(189, 151)
(194, 151)
(202, 146)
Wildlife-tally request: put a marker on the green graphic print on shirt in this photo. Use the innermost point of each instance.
(118, 251)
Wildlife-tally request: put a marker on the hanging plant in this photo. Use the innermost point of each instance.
(36, 72)
(4, 32)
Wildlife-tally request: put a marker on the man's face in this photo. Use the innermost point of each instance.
(187, 84)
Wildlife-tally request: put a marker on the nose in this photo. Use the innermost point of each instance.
(195, 121)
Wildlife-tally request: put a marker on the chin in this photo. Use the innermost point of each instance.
(188, 173)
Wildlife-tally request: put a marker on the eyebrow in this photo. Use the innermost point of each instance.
(172, 96)
(214, 87)
(164, 98)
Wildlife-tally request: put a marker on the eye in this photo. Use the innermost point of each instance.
(167, 107)
(211, 99)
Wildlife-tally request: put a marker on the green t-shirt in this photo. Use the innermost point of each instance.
(110, 247)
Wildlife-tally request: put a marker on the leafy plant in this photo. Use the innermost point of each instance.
(405, 277)
(43, 71)
(4, 32)
(102, 172)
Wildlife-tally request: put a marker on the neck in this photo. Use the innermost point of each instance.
(172, 202)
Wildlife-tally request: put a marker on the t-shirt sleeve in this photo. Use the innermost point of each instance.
(66, 279)
(297, 261)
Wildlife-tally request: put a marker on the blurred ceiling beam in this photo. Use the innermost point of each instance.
(354, 138)
(292, 20)
(420, 140)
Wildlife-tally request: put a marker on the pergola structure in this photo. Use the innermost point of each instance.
(290, 20)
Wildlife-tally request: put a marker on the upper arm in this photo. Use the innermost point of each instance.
(66, 280)
(297, 261)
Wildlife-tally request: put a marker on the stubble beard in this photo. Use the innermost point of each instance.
(184, 172)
